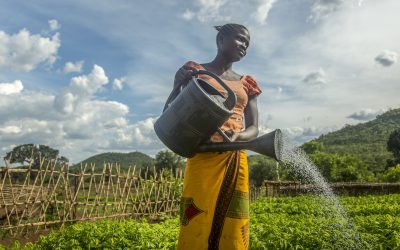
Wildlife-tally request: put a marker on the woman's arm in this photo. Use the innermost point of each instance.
(183, 75)
(251, 121)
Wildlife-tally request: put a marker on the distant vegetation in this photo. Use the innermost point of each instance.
(125, 160)
(361, 152)
(366, 152)
(164, 160)
(31, 154)
(367, 141)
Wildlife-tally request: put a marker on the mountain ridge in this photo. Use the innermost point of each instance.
(126, 160)
(366, 140)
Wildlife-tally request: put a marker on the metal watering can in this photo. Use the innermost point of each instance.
(193, 114)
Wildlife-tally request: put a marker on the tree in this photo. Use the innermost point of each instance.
(312, 147)
(261, 169)
(392, 174)
(32, 154)
(338, 168)
(168, 160)
(350, 168)
(393, 145)
(324, 162)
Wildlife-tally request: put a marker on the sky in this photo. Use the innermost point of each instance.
(91, 76)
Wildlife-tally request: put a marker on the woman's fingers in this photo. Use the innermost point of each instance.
(189, 68)
(185, 73)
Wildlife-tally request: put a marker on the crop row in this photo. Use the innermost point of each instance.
(303, 222)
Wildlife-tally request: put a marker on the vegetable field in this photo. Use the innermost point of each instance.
(302, 222)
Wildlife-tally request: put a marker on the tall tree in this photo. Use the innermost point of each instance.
(32, 154)
(262, 168)
(393, 145)
(168, 160)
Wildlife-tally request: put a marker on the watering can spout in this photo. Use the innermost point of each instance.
(269, 144)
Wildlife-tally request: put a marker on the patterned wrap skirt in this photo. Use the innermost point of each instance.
(214, 211)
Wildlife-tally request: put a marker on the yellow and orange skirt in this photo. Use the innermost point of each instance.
(214, 210)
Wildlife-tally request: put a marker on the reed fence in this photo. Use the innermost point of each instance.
(52, 195)
(257, 192)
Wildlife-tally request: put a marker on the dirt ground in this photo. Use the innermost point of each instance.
(7, 241)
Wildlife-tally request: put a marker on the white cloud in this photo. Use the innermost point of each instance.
(264, 130)
(322, 8)
(92, 117)
(80, 88)
(54, 25)
(387, 58)
(24, 52)
(94, 126)
(118, 83)
(27, 104)
(11, 88)
(209, 9)
(366, 114)
(316, 78)
(299, 135)
(263, 9)
(65, 102)
(224, 11)
(10, 130)
(73, 67)
(76, 121)
(138, 135)
(86, 85)
(188, 14)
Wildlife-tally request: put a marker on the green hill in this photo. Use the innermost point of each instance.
(366, 140)
(137, 159)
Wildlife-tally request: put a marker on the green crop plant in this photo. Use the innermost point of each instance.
(302, 222)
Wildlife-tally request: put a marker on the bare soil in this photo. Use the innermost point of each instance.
(33, 237)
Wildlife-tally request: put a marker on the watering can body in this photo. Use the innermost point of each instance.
(194, 115)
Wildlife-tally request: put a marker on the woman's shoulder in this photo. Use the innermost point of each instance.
(251, 85)
(193, 64)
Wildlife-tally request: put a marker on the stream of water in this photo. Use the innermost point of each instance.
(343, 230)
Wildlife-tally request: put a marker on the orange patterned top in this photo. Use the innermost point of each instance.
(243, 88)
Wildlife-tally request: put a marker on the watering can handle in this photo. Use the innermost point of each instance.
(231, 99)
(224, 136)
(229, 102)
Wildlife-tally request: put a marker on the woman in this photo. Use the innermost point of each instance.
(215, 200)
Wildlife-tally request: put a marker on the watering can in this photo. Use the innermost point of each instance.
(269, 144)
(193, 114)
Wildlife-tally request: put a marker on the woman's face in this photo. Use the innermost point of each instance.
(234, 45)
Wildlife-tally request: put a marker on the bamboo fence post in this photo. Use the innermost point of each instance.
(75, 194)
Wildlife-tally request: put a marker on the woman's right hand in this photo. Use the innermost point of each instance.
(183, 75)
